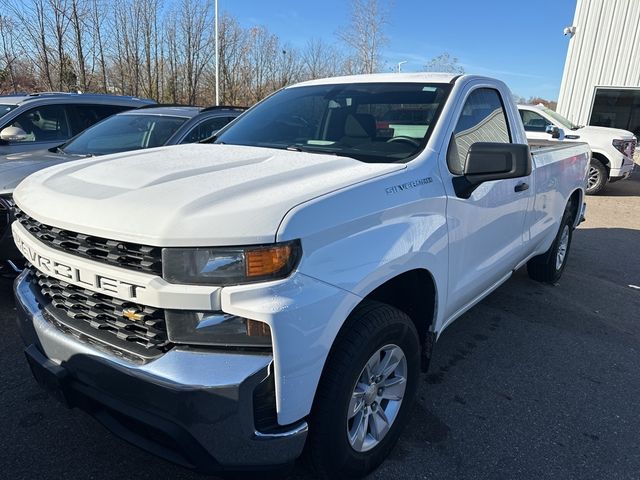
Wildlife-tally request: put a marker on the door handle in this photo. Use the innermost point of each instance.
(521, 187)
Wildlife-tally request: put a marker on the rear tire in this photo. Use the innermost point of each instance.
(361, 406)
(548, 267)
(597, 177)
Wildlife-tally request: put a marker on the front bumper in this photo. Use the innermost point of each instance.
(191, 407)
(624, 172)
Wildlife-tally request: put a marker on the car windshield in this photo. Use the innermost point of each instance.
(124, 132)
(4, 109)
(560, 119)
(371, 122)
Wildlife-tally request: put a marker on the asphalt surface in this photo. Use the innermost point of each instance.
(536, 382)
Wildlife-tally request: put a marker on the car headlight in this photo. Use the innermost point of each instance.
(626, 147)
(230, 265)
(216, 329)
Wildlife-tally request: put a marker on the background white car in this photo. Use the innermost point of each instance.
(612, 149)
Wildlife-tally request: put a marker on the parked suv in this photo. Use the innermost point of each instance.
(44, 120)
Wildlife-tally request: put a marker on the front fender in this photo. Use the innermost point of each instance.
(304, 315)
(353, 241)
(613, 158)
(357, 239)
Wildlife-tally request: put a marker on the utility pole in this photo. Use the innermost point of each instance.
(217, 55)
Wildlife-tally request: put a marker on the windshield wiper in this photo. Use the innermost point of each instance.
(296, 147)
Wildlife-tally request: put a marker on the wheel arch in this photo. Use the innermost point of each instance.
(574, 203)
(415, 293)
(603, 159)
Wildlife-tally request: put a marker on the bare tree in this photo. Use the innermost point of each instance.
(149, 27)
(233, 47)
(444, 63)
(196, 42)
(77, 20)
(320, 60)
(9, 57)
(59, 22)
(97, 18)
(288, 66)
(32, 18)
(365, 35)
(162, 50)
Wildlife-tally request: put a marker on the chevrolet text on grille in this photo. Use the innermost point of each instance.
(76, 275)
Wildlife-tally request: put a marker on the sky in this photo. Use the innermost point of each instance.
(518, 41)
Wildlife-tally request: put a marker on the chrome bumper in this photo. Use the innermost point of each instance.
(194, 408)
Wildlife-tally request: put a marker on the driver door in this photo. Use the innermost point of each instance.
(486, 229)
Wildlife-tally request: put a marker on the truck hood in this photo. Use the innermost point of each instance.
(602, 134)
(16, 167)
(187, 195)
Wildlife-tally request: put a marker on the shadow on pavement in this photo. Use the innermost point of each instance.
(624, 188)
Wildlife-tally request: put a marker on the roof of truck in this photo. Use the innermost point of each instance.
(419, 77)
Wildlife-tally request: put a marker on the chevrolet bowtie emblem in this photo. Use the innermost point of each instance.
(133, 314)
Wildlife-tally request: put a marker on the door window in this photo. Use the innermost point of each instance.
(206, 129)
(129, 131)
(83, 116)
(483, 119)
(43, 124)
(533, 122)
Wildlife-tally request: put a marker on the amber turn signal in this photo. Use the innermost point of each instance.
(267, 261)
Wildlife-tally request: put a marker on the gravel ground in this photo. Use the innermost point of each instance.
(535, 382)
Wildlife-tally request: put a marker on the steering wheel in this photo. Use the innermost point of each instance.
(402, 138)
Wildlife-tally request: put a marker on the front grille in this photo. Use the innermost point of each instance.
(131, 256)
(99, 317)
(6, 214)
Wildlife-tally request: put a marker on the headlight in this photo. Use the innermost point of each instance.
(626, 147)
(216, 329)
(230, 266)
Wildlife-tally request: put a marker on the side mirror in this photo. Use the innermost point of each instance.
(555, 132)
(492, 161)
(13, 134)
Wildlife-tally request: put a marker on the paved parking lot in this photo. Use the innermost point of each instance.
(535, 382)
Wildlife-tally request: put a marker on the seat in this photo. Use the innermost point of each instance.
(359, 128)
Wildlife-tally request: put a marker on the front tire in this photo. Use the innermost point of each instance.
(549, 266)
(366, 392)
(597, 177)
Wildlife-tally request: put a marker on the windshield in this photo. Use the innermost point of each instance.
(121, 133)
(560, 119)
(371, 122)
(4, 109)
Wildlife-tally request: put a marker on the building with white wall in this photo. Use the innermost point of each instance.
(601, 80)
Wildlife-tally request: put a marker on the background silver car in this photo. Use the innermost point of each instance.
(44, 120)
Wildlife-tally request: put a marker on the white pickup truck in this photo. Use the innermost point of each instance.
(222, 305)
(612, 149)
